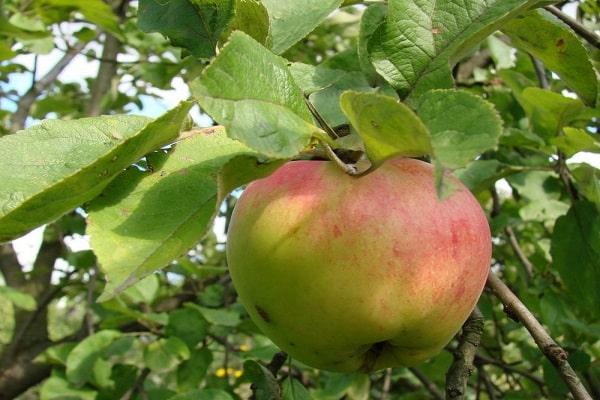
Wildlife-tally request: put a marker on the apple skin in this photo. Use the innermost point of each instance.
(358, 273)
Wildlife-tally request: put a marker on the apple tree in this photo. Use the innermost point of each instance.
(499, 95)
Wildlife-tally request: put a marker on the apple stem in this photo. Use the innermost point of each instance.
(350, 169)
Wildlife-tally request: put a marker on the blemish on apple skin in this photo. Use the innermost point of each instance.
(337, 232)
(263, 314)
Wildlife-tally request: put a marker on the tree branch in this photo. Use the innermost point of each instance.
(518, 250)
(554, 353)
(462, 367)
(17, 121)
(589, 35)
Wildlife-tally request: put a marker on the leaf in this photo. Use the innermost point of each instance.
(418, 44)
(195, 25)
(291, 389)
(388, 128)
(291, 21)
(97, 12)
(192, 371)
(57, 388)
(188, 325)
(263, 380)
(56, 166)
(146, 219)
(543, 36)
(81, 360)
(251, 92)
(18, 298)
(325, 86)
(462, 126)
(203, 394)
(576, 140)
(575, 254)
(549, 112)
(372, 17)
(165, 354)
(218, 316)
(587, 180)
(251, 17)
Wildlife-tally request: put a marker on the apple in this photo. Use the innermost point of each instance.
(358, 273)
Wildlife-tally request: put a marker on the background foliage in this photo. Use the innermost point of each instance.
(168, 324)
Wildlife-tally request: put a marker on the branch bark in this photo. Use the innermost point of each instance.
(462, 367)
(557, 356)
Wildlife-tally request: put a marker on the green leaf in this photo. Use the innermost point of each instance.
(188, 325)
(372, 17)
(388, 128)
(251, 92)
(542, 35)
(97, 12)
(146, 219)
(165, 354)
(291, 21)
(203, 394)
(576, 140)
(56, 166)
(81, 360)
(57, 388)
(192, 371)
(480, 175)
(263, 380)
(251, 16)
(418, 44)
(576, 256)
(291, 389)
(325, 86)
(195, 25)
(462, 126)
(587, 180)
(18, 298)
(218, 316)
(549, 112)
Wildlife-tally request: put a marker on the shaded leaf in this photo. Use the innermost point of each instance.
(251, 92)
(418, 44)
(576, 140)
(290, 22)
(251, 16)
(291, 389)
(576, 256)
(56, 166)
(203, 394)
(263, 380)
(18, 298)
(193, 24)
(146, 219)
(542, 35)
(57, 388)
(388, 128)
(191, 372)
(83, 357)
(165, 353)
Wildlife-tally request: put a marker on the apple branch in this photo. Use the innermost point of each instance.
(552, 351)
(428, 383)
(462, 367)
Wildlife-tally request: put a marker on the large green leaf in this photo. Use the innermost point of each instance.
(56, 166)
(83, 357)
(388, 128)
(420, 41)
(251, 92)
(195, 25)
(541, 34)
(146, 219)
(462, 125)
(576, 256)
(291, 21)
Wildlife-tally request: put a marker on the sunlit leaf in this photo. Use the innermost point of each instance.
(416, 47)
(251, 92)
(146, 219)
(388, 128)
(56, 166)
(290, 22)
